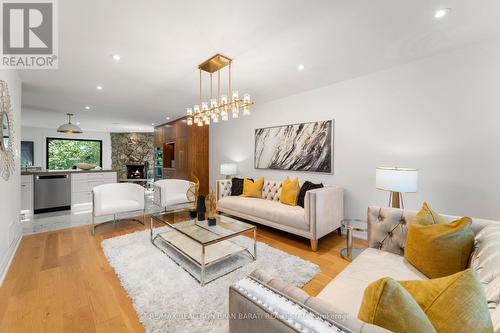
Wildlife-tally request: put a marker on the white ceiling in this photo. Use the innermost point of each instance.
(162, 42)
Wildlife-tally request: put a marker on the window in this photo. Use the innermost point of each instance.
(27, 153)
(64, 154)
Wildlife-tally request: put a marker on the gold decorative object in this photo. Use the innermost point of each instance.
(211, 204)
(219, 107)
(193, 190)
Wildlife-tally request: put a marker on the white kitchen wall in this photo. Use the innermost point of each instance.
(440, 115)
(10, 191)
(39, 135)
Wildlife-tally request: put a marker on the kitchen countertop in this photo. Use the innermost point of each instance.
(51, 172)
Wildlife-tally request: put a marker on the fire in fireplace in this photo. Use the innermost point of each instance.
(135, 171)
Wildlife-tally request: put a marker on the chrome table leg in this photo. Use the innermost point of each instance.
(255, 244)
(202, 275)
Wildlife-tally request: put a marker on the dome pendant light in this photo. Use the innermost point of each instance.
(69, 128)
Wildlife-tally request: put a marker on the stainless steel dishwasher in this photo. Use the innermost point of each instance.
(52, 193)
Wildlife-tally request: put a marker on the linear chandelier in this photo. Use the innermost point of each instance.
(220, 106)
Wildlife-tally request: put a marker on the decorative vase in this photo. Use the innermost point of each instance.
(201, 209)
(211, 221)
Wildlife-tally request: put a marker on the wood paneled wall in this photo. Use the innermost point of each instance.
(191, 150)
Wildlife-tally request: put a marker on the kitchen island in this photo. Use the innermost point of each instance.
(53, 190)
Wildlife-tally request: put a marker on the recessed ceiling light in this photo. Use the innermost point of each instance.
(99, 87)
(168, 118)
(78, 123)
(301, 67)
(152, 124)
(116, 57)
(440, 13)
(87, 107)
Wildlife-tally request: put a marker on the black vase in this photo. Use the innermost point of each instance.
(201, 209)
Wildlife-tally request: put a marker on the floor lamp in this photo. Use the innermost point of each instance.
(396, 181)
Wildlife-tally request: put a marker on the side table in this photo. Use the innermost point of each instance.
(351, 225)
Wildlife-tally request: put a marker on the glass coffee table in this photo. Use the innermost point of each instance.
(200, 244)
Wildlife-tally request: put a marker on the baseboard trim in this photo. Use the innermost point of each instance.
(4, 269)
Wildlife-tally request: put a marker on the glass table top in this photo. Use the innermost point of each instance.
(355, 224)
(201, 232)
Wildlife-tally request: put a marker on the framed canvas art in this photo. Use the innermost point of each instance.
(296, 147)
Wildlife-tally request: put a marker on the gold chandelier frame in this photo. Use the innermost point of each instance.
(221, 106)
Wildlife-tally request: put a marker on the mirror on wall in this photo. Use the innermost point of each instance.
(7, 161)
(5, 131)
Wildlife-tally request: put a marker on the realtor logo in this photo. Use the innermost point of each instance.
(29, 34)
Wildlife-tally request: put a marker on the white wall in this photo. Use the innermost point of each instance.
(10, 191)
(39, 135)
(440, 115)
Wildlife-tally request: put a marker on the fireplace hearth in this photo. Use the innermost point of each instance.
(135, 171)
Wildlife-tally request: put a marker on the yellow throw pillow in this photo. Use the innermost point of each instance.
(455, 303)
(439, 250)
(387, 304)
(426, 216)
(290, 191)
(253, 189)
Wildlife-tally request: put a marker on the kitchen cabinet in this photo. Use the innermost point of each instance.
(27, 194)
(82, 185)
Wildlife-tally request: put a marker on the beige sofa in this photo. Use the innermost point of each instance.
(338, 303)
(322, 213)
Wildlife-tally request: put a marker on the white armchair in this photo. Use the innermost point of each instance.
(171, 192)
(113, 199)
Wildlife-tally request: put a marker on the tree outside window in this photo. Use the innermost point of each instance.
(63, 154)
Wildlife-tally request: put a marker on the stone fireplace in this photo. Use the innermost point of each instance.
(135, 171)
(131, 149)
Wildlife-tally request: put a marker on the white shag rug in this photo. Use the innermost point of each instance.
(168, 299)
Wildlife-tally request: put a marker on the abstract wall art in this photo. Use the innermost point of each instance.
(297, 147)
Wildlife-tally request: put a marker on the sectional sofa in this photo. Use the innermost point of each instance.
(271, 305)
(322, 213)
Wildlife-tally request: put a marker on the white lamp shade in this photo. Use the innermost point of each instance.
(395, 179)
(228, 169)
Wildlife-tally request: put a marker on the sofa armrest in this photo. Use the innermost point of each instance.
(261, 303)
(324, 209)
(223, 188)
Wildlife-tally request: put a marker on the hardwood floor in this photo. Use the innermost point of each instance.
(60, 281)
